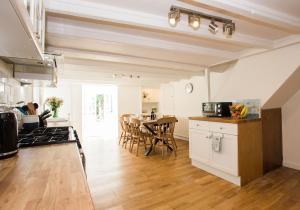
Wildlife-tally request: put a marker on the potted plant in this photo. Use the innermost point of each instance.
(54, 103)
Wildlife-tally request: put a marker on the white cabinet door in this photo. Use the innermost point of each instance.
(200, 145)
(227, 158)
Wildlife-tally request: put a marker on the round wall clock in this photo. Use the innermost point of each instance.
(189, 88)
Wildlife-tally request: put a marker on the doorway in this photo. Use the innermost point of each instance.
(99, 114)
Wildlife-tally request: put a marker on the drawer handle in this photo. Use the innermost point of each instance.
(197, 125)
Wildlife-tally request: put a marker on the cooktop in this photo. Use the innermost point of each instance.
(45, 136)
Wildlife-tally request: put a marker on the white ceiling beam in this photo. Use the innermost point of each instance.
(115, 58)
(97, 78)
(119, 68)
(97, 11)
(87, 44)
(94, 73)
(251, 12)
(104, 35)
(293, 39)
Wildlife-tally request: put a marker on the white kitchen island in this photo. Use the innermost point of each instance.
(228, 148)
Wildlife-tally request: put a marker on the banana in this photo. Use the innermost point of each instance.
(244, 112)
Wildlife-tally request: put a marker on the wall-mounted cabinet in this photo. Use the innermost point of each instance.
(22, 32)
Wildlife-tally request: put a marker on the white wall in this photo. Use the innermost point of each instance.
(255, 77)
(9, 88)
(175, 101)
(72, 106)
(129, 100)
(63, 92)
(291, 132)
(76, 108)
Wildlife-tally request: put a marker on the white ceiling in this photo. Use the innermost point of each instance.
(156, 7)
(111, 36)
(290, 7)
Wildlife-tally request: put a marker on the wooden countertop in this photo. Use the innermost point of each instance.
(58, 124)
(45, 177)
(223, 119)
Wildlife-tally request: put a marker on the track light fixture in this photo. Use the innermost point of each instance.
(213, 27)
(174, 17)
(228, 29)
(131, 76)
(194, 20)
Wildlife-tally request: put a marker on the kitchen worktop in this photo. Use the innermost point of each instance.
(45, 177)
(223, 119)
(58, 123)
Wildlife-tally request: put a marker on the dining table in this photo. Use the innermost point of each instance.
(150, 126)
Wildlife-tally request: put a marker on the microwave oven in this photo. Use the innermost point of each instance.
(216, 109)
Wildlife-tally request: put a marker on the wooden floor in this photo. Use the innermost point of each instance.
(120, 180)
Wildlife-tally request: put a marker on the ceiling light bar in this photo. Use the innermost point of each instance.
(194, 20)
(131, 76)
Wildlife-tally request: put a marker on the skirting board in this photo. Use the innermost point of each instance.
(181, 137)
(291, 165)
(230, 178)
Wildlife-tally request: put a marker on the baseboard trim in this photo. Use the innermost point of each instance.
(228, 177)
(291, 165)
(181, 137)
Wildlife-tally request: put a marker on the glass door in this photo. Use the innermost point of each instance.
(100, 112)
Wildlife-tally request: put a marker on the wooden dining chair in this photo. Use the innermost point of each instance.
(138, 136)
(125, 129)
(169, 116)
(165, 133)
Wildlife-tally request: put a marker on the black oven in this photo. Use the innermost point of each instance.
(216, 109)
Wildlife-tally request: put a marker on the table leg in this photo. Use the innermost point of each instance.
(170, 148)
(149, 150)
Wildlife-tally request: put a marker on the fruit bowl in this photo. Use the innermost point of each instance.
(238, 111)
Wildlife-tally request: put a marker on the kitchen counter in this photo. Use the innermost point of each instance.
(223, 119)
(44, 177)
(228, 148)
(58, 124)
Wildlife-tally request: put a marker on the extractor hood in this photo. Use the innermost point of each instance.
(31, 71)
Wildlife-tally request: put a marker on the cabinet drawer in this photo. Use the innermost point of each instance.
(196, 124)
(227, 128)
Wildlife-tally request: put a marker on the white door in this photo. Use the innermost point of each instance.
(226, 159)
(167, 104)
(100, 112)
(200, 145)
